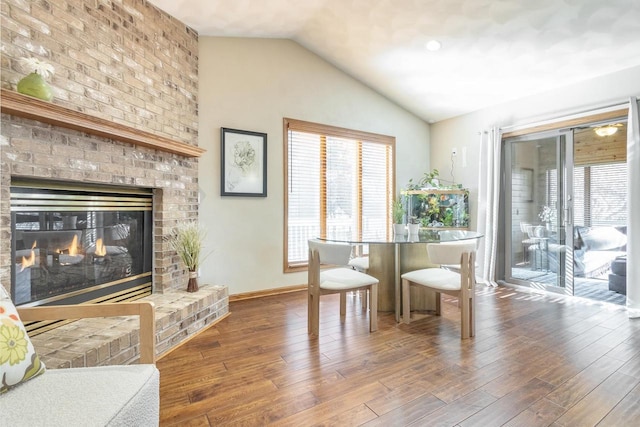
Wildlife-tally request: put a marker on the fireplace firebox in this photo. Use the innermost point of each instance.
(73, 244)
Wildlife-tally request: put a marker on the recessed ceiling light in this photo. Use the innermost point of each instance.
(433, 45)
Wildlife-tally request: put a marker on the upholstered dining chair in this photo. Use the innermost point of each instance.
(360, 263)
(458, 284)
(340, 279)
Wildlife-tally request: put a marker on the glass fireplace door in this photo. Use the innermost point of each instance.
(72, 246)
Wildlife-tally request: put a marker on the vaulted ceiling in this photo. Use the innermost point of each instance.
(492, 51)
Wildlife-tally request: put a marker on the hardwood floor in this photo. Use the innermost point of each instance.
(535, 361)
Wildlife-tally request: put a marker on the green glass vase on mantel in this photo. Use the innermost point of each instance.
(35, 85)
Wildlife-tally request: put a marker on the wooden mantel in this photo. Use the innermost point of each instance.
(19, 105)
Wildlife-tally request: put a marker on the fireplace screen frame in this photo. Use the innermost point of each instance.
(66, 210)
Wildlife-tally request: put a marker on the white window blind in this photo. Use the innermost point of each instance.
(339, 185)
(601, 194)
(375, 176)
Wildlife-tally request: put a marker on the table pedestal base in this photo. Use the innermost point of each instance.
(382, 266)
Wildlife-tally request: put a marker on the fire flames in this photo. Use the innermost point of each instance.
(73, 248)
(28, 262)
(101, 249)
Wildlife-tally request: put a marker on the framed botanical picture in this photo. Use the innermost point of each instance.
(243, 157)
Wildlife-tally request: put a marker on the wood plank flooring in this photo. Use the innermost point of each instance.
(535, 361)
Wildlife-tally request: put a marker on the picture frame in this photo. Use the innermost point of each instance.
(243, 158)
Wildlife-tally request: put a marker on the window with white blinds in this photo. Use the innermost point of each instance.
(339, 184)
(600, 194)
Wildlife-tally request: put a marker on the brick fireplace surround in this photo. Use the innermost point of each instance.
(129, 63)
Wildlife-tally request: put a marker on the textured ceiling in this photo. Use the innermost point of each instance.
(492, 50)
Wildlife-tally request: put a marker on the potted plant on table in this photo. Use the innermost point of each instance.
(187, 240)
(413, 225)
(397, 213)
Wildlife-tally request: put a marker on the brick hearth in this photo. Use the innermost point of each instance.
(114, 341)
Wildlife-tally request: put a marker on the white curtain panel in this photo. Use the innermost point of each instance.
(488, 202)
(633, 207)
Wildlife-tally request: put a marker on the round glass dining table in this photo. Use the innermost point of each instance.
(391, 257)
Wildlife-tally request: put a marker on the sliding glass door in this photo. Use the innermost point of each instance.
(539, 200)
(566, 211)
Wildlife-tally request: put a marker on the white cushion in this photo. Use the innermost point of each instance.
(436, 278)
(102, 396)
(345, 278)
(603, 238)
(360, 263)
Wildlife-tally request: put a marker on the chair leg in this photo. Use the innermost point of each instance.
(314, 315)
(364, 297)
(472, 317)
(373, 308)
(467, 296)
(343, 306)
(309, 309)
(406, 301)
(465, 310)
(438, 304)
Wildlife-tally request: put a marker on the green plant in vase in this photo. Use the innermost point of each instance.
(34, 84)
(397, 214)
(413, 225)
(187, 240)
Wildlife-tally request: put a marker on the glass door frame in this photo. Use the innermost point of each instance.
(564, 282)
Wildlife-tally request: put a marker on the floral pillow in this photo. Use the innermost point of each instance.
(18, 359)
